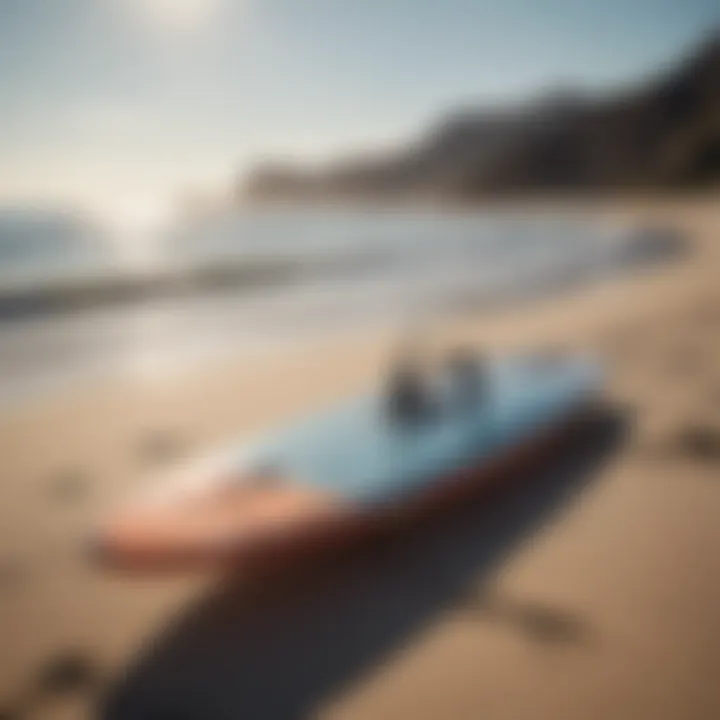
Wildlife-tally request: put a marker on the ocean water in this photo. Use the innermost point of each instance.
(78, 300)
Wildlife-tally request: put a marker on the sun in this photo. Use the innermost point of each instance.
(181, 16)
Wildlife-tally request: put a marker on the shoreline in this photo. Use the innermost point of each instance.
(127, 284)
(643, 247)
(488, 319)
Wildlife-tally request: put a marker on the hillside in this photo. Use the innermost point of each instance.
(663, 134)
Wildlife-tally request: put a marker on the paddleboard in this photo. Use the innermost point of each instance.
(350, 470)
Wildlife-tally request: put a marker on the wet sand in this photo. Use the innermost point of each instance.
(601, 603)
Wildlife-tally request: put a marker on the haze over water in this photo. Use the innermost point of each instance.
(249, 280)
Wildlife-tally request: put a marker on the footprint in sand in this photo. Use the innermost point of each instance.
(159, 446)
(697, 441)
(64, 674)
(536, 621)
(70, 485)
(549, 625)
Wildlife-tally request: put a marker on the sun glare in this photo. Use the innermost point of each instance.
(182, 16)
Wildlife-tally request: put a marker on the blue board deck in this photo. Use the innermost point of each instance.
(358, 453)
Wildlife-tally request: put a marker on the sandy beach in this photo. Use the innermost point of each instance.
(604, 606)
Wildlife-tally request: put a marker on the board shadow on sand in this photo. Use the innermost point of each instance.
(283, 649)
(538, 622)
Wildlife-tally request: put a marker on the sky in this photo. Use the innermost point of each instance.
(123, 107)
